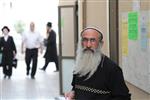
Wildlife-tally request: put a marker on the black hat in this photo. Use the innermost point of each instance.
(49, 24)
(6, 27)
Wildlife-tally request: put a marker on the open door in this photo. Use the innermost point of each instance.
(67, 47)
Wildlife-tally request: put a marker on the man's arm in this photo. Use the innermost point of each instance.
(14, 47)
(41, 47)
(22, 47)
(41, 41)
(119, 90)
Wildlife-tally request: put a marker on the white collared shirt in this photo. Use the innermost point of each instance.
(32, 39)
(5, 37)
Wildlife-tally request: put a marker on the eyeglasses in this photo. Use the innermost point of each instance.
(92, 40)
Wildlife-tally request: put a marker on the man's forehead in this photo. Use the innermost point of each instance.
(89, 32)
(31, 24)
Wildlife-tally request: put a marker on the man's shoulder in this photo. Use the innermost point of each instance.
(2, 38)
(52, 31)
(109, 60)
(11, 37)
(109, 63)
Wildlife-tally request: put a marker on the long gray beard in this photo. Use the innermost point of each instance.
(87, 61)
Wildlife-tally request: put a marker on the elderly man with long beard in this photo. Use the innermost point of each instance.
(95, 76)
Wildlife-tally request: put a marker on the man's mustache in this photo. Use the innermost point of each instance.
(88, 49)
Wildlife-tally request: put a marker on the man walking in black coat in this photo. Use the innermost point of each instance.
(8, 48)
(51, 48)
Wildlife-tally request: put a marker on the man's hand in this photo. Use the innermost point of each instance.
(70, 95)
(22, 51)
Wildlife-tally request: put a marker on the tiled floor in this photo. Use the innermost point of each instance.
(44, 87)
(22, 87)
(137, 94)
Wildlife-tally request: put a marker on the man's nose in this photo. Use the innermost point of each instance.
(89, 44)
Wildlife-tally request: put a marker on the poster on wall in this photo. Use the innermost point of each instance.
(124, 31)
(133, 25)
(144, 30)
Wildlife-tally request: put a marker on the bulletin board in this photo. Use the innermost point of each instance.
(134, 39)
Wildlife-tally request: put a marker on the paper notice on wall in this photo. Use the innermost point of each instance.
(136, 5)
(133, 25)
(124, 34)
(144, 29)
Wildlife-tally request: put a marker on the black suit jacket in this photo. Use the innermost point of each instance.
(51, 48)
(7, 48)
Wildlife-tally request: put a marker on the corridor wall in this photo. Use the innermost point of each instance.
(134, 42)
(97, 15)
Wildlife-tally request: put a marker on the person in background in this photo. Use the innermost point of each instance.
(8, 50)
(51, 48)
(31, 41)
(95, 76)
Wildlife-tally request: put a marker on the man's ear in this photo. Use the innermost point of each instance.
(101, 42)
